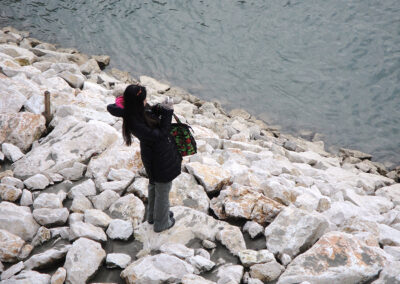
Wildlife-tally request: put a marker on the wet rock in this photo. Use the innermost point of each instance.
(48, 200)
(266, 271)
(229, 273)
(86, 188)
(177, 249)
(186, 192)
(191, 224)
(30, 277)
(388, 235)
(46, 258)
(37, 181)
(250, 257)
(12, 270)
(83, 260)
(200, 263)
(9, 192)
(120, 229)
(120, 260)
(102, 60)
(212, 178)
(81, 229)
(43, 235)
(21, 129)
(10, 246)
(104, 200)
(59, 276)
(18, 220)
(305, 229)
(11, 152)
(70, 141)
(139, 188)
(253, 228)
(336, 257)
(242, 202)
(80, 204)
(75, 172)
(128, 207)
(390, 192)
(50, 217)
(97, 218)
(158, 268)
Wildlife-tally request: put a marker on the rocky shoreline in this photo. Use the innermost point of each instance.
(73, 199)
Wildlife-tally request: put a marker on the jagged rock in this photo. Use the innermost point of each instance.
(80, 204)
(13, 182)
(25, 251)
(177, 249)
(10, 102)
(229, 273)
(21, 129)
(62, 232)
(70, 141)
(266, 271)
(208, 244)
(390, 192)
(83, 260)
(354, 153)
(10, 246)
(49, 217)
(213, 178)
(393, 251)
(75, 172)
(104, 200)
(191, 224)
(202, 252)
(153, 85)
(388, 235)
(12, 270)
(200, 263)
(336, 257)
(91, 66)
(293, 230)
(378, 204)
(120, 174)
(46, 258)
(11, 152)
(81, 229)
(139, 188)
(341, 211)
(17, 52)
(128, 207)
(250, 257)
(86, 188)
(74, 80)
(42, 236)
(7, 173)
(37, 181)
(195, 279)
(365, 230)
(9, 192)
(75, 217)
(253, 228)
(389, 274)
(17, 220)
(97, 218)
(59, 276)
(243, 202)
(118, 260)
(117, 186)
(48, 200)
(102, 60)
(120, 229)
(158, 268)
(30, 277)
(1, 267)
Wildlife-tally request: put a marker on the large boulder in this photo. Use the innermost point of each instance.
(21, 129)
(50, 216)
(69, 142)
(159, 268)
(18, 220)
(10, 246)
(191, 224)
(294, 230)
(211, 177)
(243, 202)
(336, 258)
(18, 53)
(83, 260)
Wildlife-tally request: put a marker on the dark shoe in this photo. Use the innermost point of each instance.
(171, 214)
(170, 226)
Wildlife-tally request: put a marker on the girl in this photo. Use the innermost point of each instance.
(160, 157)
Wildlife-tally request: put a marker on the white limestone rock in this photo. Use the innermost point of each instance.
(86, 188)
(50, 217)
(389, 274)
(10, 246)
(195, 279)
(120, 260)
(200, 263)
(10, 102)
(59, 276)
(17, 52)
(153, 85)
(9, 192)
(229, 273)
(13, 182)
(128, 207)
(120, 229)
(341, 211)
(43, 235)
(81, 229)
(74, 80)
(97, 218)
(177, 249)
(91, 66)
(293, 230)
(266, 272)
(12, 153)
(18, 220)
(253, 228)
(118, 186)
(30, 277)
(158, 268)
(80, 204)
(120, 174)
(212, 178)
(390, 192)
(104, 200)
(60, 232)
(48, 200)
(37, 182)
(393, 251)
(83, 260)
(75, 217)
(11, 271)
(140, 188)
(46, 258)
(388, 235)
(378, 204)
(75, 172)
(250, 257)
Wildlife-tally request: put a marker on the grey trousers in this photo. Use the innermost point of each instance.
(158, 205)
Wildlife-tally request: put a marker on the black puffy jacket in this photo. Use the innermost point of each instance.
(160, 156)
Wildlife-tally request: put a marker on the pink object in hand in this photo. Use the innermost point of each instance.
(119, 101)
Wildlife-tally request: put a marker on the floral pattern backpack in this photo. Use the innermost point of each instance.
(183, 137)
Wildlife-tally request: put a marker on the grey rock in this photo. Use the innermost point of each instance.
(86, 188)
(62, 232)
(12, 271)
(37, 181)
(12, 153)
(49, 217)
(83, 260)
(208, 244)
(102, 60)
(48, 200)
(120, 229)
(177, 249)
(120, 174)
(266, 271)
(389, 274)
(29, 277)
(81, 229)
(202, 252)
(46, 258)
(120, 260)
(43, 235)
(75, 172)
(128, 207)
(201, 264)
(74, 80)
(91, 66)
(251, 257)
(104, 200)
(80, 204)
(253, 228)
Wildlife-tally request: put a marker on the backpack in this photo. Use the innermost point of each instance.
(183, 137)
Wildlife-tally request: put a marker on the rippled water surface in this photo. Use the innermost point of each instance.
(331, 67)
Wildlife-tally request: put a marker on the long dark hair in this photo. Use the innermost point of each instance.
(134, 110)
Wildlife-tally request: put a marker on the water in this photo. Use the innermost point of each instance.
(330, 67)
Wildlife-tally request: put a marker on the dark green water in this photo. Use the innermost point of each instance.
(331, 67)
